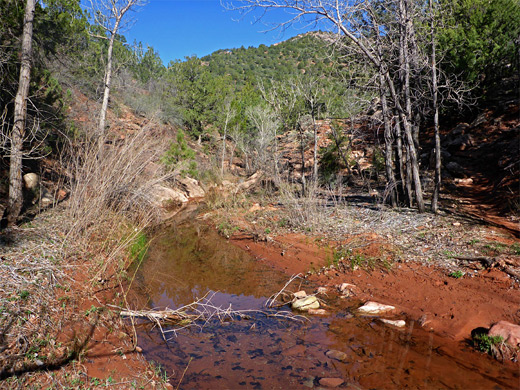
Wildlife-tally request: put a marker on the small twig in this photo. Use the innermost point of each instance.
(184, 372)
(271, 301)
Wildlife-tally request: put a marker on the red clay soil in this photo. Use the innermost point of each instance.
(450, 307)
(109, 350)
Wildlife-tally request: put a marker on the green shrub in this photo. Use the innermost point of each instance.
(485, 343)
(181, 157)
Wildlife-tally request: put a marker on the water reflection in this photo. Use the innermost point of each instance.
(189, 259)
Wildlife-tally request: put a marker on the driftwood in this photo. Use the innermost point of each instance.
(493, 262)
(199, 314)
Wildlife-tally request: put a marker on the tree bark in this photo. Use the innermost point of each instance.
(302, 153)
(388, 143)
(224, 140)
(107, 82)
(437, 184)
(15, 201)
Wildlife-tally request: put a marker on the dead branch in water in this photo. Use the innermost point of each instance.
(200, 313)
(271, 302)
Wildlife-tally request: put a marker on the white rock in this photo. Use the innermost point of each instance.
(300, 294)
(304, 304)
(31, 180)
(192, 187)
(164, 196)
(375, 308)
(396, 323)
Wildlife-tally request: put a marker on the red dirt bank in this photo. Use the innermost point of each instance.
(450, 307)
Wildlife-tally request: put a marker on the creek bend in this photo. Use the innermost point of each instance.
(188, 259)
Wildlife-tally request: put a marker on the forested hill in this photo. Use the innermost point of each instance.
(309, 53)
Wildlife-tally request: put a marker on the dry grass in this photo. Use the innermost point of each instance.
(111, 200)
(110, 204)
(30, 315)
(307, 212)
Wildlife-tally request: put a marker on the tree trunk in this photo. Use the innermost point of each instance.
(224, 142)
(302, 152)
(407, 115)
(315, 166)
(388, 143)
(437, 184)
(15, 201)
(108, 80)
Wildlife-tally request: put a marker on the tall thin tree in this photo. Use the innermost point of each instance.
(15, 201)
(437, 183)
(108, 14)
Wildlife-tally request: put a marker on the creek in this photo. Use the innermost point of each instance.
(188, 259)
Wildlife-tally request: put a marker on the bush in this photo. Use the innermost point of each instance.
(180, 157)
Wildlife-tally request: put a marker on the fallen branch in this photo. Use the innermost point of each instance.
(199, 313)
(493, 262)
(271, 302)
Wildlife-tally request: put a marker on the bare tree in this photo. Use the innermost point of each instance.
(309, 90)
(15, 201)
(229, 113)
(352, 19)
(266, 123)
(108, 14)
(437, 184)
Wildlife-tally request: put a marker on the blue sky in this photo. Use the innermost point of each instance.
(179, 28)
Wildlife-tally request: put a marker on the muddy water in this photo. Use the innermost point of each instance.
(188, 259)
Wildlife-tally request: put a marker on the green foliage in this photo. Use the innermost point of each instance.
(330, 156)
(147, 64)
(196, 92)
(181, 157)
(456, 274)
(24, 294)
(486, 343)
(277, 62)
(139, 248)
(478, 38)
(56, 24)
(226, 229)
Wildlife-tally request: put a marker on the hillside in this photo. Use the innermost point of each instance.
(309, 53)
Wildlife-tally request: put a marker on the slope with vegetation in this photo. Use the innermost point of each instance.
(361, 118)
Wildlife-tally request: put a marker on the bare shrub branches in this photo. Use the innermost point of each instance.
(200, 313)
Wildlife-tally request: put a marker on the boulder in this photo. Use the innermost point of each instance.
(331, 382)
(251, 182)
(31, 181)
(191, 187)
(304, 304)
(508, 331)
(300, 294)
(346, 288)
(375, 308)
(459, 129)
(166, 197)
(47, 199)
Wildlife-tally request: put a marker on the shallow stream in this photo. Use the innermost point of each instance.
(188, 259)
